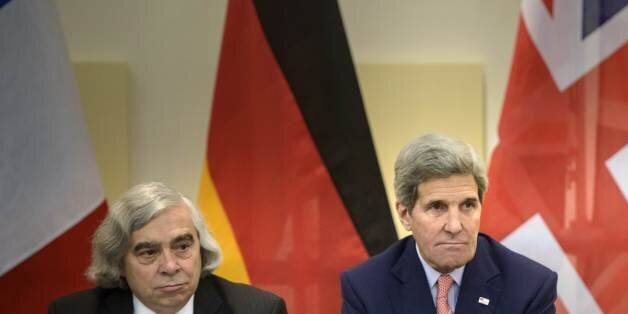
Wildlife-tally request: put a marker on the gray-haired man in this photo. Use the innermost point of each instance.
(446, 265)
(153, 254)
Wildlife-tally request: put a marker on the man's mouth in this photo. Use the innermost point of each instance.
(171, 287)
(451, 244)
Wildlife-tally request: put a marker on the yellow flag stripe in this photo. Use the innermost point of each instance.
(233, 266)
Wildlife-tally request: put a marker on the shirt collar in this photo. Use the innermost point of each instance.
(433, 274)
(140, 308)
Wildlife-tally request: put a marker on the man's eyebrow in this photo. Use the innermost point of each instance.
(435, 201)
(428, 201)
(183, 237)
(145, 245)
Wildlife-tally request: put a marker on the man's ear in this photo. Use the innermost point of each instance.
(404, 215)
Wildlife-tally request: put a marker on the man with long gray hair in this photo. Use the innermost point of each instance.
(153, 254)
(446, 265)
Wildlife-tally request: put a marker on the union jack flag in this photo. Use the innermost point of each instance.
(559, 174)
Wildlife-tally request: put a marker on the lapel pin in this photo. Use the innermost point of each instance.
(484, 300)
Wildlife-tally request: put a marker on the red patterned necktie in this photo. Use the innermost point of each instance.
(444, 283)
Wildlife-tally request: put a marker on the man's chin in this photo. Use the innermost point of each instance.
(448, 265)
(172, 303)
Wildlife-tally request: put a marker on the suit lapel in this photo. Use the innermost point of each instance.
(481, 279)
(414, 292)
(208, 298)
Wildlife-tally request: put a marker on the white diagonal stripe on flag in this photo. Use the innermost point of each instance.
(618, 167)
(536, 241)
(558, 38)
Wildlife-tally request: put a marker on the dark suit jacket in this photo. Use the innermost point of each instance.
(213, 295)
(395, 282)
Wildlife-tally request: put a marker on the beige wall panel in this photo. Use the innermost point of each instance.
(404, 101)
(104, 92)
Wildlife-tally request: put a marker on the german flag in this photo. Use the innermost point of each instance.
(292, 187)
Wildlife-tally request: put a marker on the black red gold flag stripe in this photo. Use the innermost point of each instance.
(316, 61)
(292, 187)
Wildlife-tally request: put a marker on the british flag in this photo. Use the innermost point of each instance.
(559, 174)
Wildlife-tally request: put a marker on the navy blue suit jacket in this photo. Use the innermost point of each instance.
(395, 282)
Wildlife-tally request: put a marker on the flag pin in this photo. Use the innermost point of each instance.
(484, 300)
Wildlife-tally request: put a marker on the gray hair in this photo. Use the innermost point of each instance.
(135, 209)
(434, 156)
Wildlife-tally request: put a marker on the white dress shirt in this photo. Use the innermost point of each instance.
(140, 308)
(432, 279)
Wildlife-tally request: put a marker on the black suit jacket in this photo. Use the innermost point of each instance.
(213, 295)
(395, 282)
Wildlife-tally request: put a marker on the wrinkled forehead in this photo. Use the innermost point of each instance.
(166, 225)
(456, 187)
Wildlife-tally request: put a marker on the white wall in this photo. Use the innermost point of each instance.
(433, 31)
(172, 49)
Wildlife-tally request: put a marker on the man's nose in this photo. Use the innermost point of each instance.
(453, 223)
(169, 263)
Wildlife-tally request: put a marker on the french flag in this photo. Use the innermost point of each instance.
(51, 193)
(559, 174)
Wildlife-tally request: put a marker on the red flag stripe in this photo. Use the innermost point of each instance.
(53, 271)
(293, 230)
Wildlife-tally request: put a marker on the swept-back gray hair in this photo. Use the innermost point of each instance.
(135, 209)
(434, 156)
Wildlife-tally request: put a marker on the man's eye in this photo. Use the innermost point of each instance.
(183, 247)
(469, 205)
(148, 253)
(437, 206)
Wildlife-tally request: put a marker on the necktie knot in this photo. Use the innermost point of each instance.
(442, 304)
